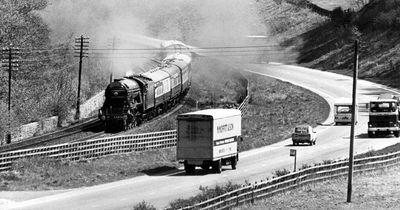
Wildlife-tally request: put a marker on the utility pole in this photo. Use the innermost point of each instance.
(353, 112)
(10, 61)
(81, 50)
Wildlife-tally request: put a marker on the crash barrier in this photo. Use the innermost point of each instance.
(95, 148)
(264, 189)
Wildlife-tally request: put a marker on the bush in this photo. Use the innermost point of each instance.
(305, 166)
(206, 193)
(281, 172)
(143, 206)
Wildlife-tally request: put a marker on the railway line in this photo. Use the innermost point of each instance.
(89, 129)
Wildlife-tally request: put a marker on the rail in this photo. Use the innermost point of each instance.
(264, 189)
(95, 148)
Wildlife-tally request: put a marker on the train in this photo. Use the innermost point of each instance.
(131, 100)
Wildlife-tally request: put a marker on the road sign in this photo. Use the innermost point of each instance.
(292, 152)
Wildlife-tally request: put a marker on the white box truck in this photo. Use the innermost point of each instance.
(342, 111)
(209, 138)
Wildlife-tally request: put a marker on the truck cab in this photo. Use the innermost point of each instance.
(383, 117)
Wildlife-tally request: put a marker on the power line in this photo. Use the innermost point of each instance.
(148, 49)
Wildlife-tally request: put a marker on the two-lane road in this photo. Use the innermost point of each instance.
(254, 165)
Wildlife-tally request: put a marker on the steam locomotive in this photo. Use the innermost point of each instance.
(131, 100)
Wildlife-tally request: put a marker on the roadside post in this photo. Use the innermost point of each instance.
(353, 110)
(294, 153)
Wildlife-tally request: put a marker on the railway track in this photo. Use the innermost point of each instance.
(92, 128)
(89, 127)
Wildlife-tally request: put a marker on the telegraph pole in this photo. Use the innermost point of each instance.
(353, 112)
(10, 62)
(81, 50)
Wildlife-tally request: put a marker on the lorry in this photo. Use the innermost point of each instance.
(384, 117)
(342, 111)
(208, 138)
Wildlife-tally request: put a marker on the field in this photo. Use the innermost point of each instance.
(275, 108)
(374, 190)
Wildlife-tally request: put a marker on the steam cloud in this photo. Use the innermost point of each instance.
(219, 23)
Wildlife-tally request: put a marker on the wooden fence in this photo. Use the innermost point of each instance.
(94, 148)
(261, 190)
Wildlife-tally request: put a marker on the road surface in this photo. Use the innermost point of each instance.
(254, 165)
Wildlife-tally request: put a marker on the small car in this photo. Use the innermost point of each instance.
(304, 134)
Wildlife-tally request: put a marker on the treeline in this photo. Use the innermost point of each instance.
(45, 83)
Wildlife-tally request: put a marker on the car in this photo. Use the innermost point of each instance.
(304, 134)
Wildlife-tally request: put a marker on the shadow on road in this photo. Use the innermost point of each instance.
(200, 172)
(300, 145)
(160, 171)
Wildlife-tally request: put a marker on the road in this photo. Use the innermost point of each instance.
(254, 165)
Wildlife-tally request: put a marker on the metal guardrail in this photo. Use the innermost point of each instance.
(250, 193)
(95, 148)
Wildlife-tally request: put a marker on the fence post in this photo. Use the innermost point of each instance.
(237, 198)
(252, 194)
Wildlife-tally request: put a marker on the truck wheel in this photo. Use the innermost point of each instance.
(370, 134)
(233, 162)
(396, 133)
(189, 169)
(205, 167)
(216, 167)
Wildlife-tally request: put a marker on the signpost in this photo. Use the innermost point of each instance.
(294, 153)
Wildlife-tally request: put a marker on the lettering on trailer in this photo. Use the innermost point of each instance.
(224, 141)
(225, 150)
(224, 128)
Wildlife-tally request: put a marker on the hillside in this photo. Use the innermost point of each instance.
(328, 45)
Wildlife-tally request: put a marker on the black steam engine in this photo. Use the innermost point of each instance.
(131, 100)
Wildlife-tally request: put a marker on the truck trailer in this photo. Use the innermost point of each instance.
(209, 138)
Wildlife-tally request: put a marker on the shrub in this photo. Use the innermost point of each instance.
(206, 193)
(305, 166)
(281, 172)
(143, 206)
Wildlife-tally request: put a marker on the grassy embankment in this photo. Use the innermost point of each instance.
(274, 109)
(374, 190)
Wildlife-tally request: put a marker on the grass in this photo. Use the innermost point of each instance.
(50, 174)
(372, 190)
